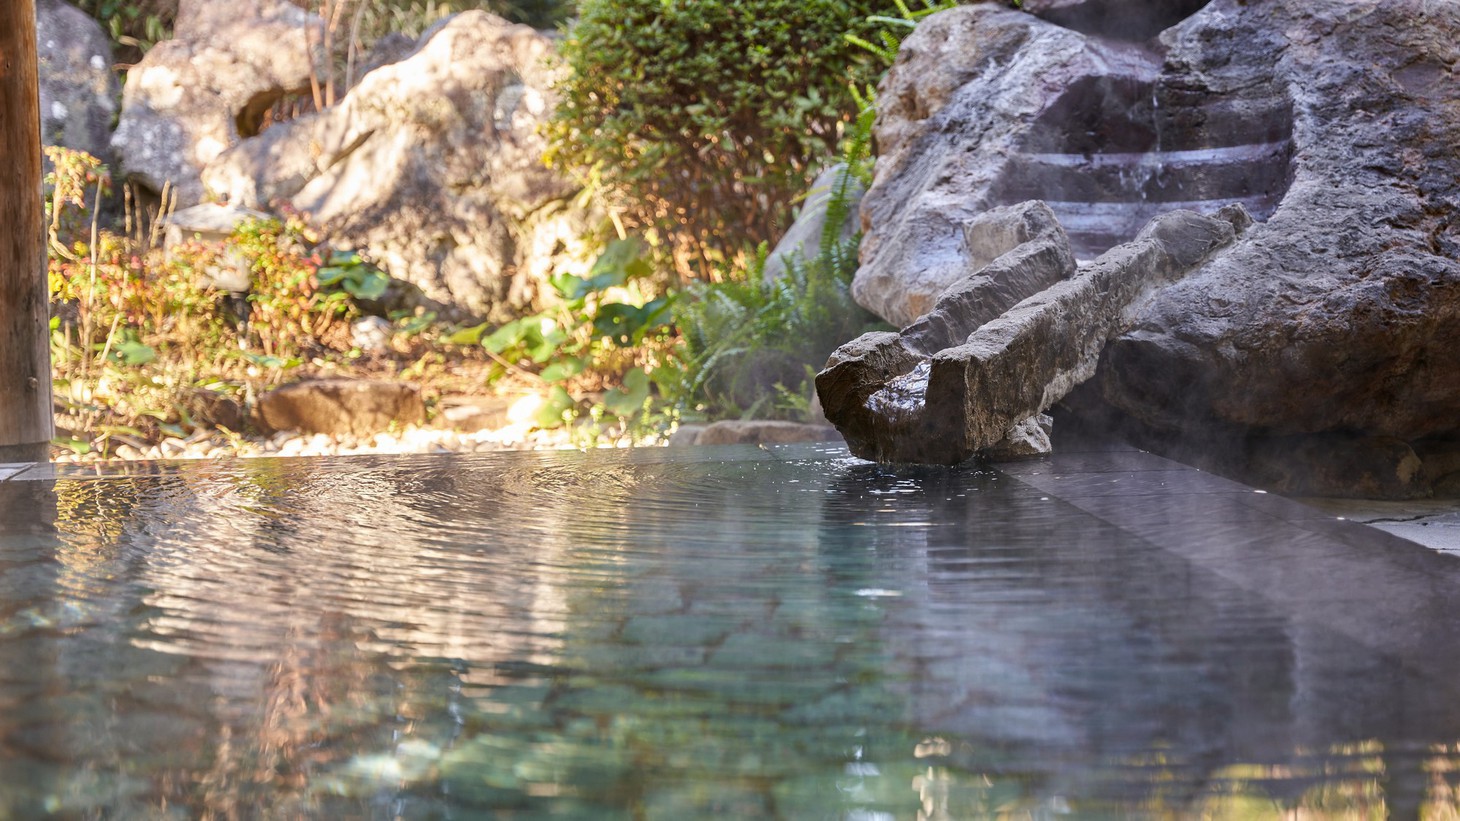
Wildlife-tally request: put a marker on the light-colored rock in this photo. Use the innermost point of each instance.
(182, 105)
(473, 413)
(1009, 254)
(1026, 440)
(208, 223)
(78, 88)
(340, 406)
(371, 333)
(803, 239)
(966, 93)
(686, 435)
(434, 164)
(989, 106)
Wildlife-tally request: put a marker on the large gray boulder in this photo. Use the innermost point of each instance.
(966, 93)
(78, 87)
(1332, 122)
(1122, 19)
(1342, 311)
(184, 103)
(991, 106)
(432, 164)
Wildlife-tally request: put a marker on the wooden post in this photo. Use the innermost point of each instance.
(26, 421)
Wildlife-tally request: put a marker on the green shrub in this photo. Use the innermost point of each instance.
(134, 25)
(751, 348)
(604, 335)
(702, 120)
(895, 28)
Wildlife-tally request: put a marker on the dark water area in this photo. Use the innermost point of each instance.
(716, 632)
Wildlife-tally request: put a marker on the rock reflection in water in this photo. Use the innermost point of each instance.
(789, 633)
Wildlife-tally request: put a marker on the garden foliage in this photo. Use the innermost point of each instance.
(135, 329)
(752, 348)
(610, 327)
(703, 120)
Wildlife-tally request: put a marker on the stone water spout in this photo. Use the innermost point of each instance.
(980, 368)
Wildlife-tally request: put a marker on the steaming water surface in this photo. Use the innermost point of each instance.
(733, 632)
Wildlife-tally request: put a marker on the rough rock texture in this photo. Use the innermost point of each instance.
(473, 413)
(1334, 122)
(928, 396)
(183, 104)
(1008, 254)
(1371, 467)
(1026, 440)
(77, 85)
(989, 106)
(357, 407)
(1122, 19)
(967, 90)
(214, 409)
(1342, 312)
(433, 164)
(803, 238)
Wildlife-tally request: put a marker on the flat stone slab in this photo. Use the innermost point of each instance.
(763, 432)
(340, 406)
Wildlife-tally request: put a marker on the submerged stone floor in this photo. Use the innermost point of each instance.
(770, 631)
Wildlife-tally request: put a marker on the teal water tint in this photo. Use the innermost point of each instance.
(725, 632)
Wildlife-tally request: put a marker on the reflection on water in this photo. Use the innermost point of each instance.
(647, 635)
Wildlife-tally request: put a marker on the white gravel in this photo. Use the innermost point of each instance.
(213, 445)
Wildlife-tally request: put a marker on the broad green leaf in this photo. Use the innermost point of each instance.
(468, 336)
(543, 345)
(628, 399)
(564, 369)
(568, 286)
(372, 285)
(625, 324)
(330, 275)
(410, 326)
(80, 447)
(508, 335)
(132, 352)
(555, 411)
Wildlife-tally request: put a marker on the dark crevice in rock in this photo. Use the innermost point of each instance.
(1118, 19)
(1112, 153)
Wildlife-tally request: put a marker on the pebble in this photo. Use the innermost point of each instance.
(205, 445)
